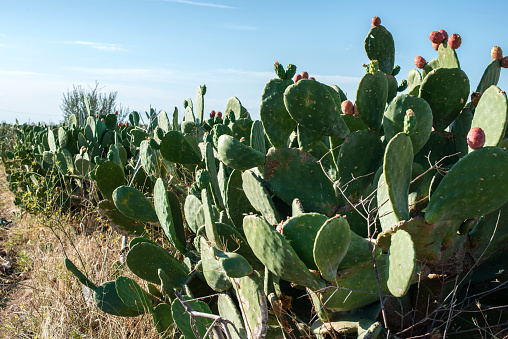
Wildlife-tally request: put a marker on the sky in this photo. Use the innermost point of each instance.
(155, 53)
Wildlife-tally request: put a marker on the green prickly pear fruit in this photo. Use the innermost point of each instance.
(111, 156)
(504, 62)
(476, 138)
(153, 144)
(445, 34)
(203, 90)
(279, 70)
(454, 41)
(475, 98)
(159, 132)
(376, 22)
(436, 37)
(410, 122)
(185, 104)
(217, 119)
(396, 70)
(202, 178)
(420, 62)
(347, 107)
(496, 53)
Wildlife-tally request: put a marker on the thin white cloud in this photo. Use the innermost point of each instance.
(26, 74)
(242, 72)
(237, 27)
(97, 45)
(205, 4)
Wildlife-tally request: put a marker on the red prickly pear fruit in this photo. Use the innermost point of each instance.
(475, 97)
(279, 228)
(116, 112)
(420, 62)
(347, 107)
(102, 119)
(212, 114)
(376, 22)
(454, 41)
(355, 110)
(445, 35)
(297, 78)
(496, 53)
(504, 62)
(436, 37)
(219, 114)
(435, 46)
(476, 138)
(305, 75)
(120, 124)
(312, 78)
(97, 116)
(126, 124)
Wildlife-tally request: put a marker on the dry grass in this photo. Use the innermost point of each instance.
(47, 301)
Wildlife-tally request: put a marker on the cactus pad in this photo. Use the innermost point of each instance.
(400, 263)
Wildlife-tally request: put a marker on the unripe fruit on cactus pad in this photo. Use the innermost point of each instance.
(347, 107)
(436, 37)
(376, 21)
(496, 53)
(305, 75)
(297, 78)
(410, 122)
(445, 35)
(420, 62)
(504, 62)
(476, 138)
(454, 41)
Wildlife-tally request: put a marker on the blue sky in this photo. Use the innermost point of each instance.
(156, 52)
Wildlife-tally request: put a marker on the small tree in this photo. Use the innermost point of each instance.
(73, 102)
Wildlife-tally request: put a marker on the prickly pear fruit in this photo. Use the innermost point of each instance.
(279, 70)
(212, 114)
(475, 97)
(126, 124)
(219, 114)
(409, 122)
(445, 35)
(435, 46)
(436, 37)
(454, 41)
(297, 78)
(312, 78)
(496, 53)
(420, 62)
(116, 112)
(476, 138)
(347, 107)
(376, 21)
(504, 62)
(305, 75)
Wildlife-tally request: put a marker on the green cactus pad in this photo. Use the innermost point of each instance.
(236, 201)
(491, 115)
(215, 275)
(306, 138)
(110, 121)
(277, 122)
(400, 264)
(257, 137)
(234, 264)
(393, 120)
(392, 88)
(490, 76)
(183, 321)
(211, 167)
(238, 155)
(149, 159)
(122, 224)
(82, 166)
(228, 310)
(258, 197)
(108, 301)
(414, 80)
(460, 129)
(446, 90)
(393, 186)
(62, 137)
(145, 259)
(447, 56)
(211, 231)
(138, 135)
(379, 45)
(235, 105)
(191, 207)
(285, 166)
(252, 302)
(164, 214)
(477, 184)
(164, 122)
(162, 318)
(132, 295)
(276, 254)
(300, 232)
(241, 129)
(371, 97)
(69, 265)
(175, 148)
(331, 245)
(360, 156)
(440, 148)
(322, 152)
(133, 204)
(311, 104)
(233, 241)
(109, 176)
(359, 252)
